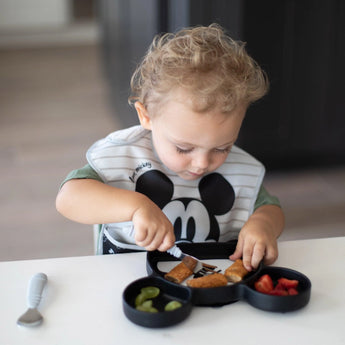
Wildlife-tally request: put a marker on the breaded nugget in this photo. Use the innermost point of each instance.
(208, 281)
(236, 272)
(178, 274)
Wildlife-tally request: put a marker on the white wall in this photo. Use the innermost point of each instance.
(32, 14)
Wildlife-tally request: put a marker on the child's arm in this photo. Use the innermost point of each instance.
(257, 239)
(92, 202)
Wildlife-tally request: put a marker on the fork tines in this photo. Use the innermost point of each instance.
(206, 270)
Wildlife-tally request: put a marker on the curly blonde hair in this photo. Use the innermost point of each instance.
(213, 69)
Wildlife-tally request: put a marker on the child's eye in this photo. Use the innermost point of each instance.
(225, 150)
(183, 151)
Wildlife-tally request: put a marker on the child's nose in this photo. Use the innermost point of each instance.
(201, 161)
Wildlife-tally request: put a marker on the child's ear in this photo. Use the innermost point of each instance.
(143, 115)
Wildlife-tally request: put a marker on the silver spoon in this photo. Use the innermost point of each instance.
(32, 316)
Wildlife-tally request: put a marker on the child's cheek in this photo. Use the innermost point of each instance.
(178, 162)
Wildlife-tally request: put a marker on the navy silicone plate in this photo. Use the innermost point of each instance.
(207, 296)
(210, 296)
(278, 303)
(168, 292)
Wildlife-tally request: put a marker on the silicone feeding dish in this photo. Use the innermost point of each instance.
(278, 303)
(209, 296)
(168, 292)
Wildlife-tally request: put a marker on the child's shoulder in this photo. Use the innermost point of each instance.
(127, 135)
(123, 137)
(239, 154)
(243, 160)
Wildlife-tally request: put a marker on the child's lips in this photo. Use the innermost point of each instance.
(195, 174)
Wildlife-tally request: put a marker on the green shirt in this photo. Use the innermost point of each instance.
(264, 198)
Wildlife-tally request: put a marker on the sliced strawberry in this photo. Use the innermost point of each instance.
(284, 286)
(278, 292)
(292, 291)
(264, 284)
(288, 283)
(279, 286)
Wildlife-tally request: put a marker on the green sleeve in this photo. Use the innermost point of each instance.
(84, 172)
(264, 198)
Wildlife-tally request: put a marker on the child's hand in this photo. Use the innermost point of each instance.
(257, 239)
(153, 230)
(253, 246)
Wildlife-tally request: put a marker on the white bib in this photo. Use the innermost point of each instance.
(212, 208)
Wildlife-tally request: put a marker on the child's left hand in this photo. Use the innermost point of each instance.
(257, 239)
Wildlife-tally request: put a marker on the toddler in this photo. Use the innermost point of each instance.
(178, 176)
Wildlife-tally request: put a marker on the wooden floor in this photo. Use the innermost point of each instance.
(53, 106)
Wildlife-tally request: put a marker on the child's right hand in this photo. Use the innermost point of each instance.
(153, 230)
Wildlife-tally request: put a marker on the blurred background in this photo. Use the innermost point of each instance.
(65, 67)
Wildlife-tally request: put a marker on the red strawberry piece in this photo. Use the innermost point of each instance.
(278, 292)
(279, 286)
(288, 283)
(292, 291)
(264, 284)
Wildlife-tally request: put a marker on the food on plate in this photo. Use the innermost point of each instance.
(172, 305)
(190, 262)
(143, 301)
(264, 284)
(146, 293)
(208, 281)
(283, 287)
(178, 274)
(236, 272)
(292, 291)
(147, 306)
(278, 290)
(288, 283)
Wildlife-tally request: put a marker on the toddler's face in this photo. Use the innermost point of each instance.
(189, 143)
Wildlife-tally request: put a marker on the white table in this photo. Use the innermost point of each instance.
(82, 303)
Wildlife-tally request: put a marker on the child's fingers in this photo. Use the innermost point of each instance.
(237, 254)
(155, 242)
(140, 234)
(163, 240)
(258, 254)
(247, 256)
(154, 238)
(168, 242)
(271, 255)
(143, 237)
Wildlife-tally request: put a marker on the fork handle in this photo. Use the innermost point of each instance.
(175, 251)
(36, 286)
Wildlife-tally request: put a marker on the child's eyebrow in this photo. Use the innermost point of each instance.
(178, 141)
(183, 143)
(227, 144)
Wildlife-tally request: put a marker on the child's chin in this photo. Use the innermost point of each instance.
(190, 176)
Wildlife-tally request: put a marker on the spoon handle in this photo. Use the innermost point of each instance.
(36, 286)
